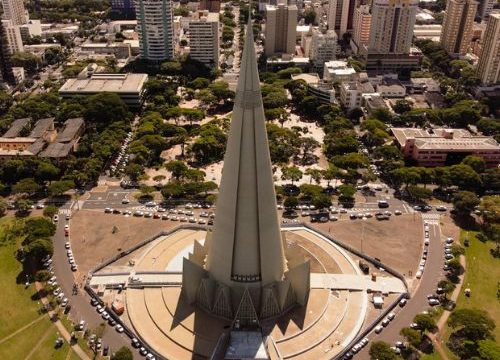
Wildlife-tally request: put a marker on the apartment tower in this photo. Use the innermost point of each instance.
(204, 39)
(362, 23)
(14, 10)
(488, 67)
(323, 48)
(154, 26)
(458, 22)
(13, 36)
(6, 74)
(392, 23)
(281, 29)
(341, 16)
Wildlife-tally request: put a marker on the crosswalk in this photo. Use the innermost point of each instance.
(64, 212)
(431, 218)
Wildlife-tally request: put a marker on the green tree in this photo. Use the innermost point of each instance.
(419, 193)
(46, 171)
(49, 211)
(347, 192)
(123, 353)
(42, 275)
(40, 248)
(425, 322)
(475, 162)
(171, 68)
(315, 174)
(489, 350)
(309, 17)
(27, 186)
(414, 337)
(58, 188)
(172, 190)
(291, 202)
(489, 127)
(402, 106)
(134, 171)
(465, 201)
(38, 227)
(322, 201)
(490, 209)
(447, 286)
(6, 102)
(473, 324)
(351, 161)
(380, 350)
(332, 173)
(28, 61)
(291, 173)
(105, 108)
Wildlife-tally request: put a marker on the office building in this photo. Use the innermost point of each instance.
(440, 147)
(338, 71)
(457, 28)
(129, 87)
(323, 48)
(392, 25)
(351, 93)
(123, 9)
(154, 26)
(281, 28)
(13, 36)
(488, 67)
(204, 39)
(361, 27)
(14, 10)
(340, 16)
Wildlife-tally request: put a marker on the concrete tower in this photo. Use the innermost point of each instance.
(241, 272)
(281, 29)
(392, 26)
(458, 26)
(14, 10)
(154, 26)
(488, 67)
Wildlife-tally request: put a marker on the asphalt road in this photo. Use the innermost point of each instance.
(80, 303)
(418, 302)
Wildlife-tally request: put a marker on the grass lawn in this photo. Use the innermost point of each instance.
(19, 310)
(434, 356)
(482, 276)
(17, 307)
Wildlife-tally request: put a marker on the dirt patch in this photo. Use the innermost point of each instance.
(93, 239)
(397, 242)
(448, 227)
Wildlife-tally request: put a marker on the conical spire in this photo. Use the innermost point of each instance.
(246, 245)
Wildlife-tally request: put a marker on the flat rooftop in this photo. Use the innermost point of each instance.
(311, 78)
(71, 129)
(117, 83)
(41, 127)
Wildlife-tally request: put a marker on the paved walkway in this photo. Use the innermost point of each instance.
(357, 282)
(436, 338)
(60, 327)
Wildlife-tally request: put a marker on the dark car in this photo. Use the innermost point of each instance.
(111, 322)
(94, 302)
(105, 351)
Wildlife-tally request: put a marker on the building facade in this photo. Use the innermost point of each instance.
(14, 10)
(340, 16)
(204, 39)
(210, 5)
(281, 28)
(361, 27)
(458, 24)
(154, 26)
(392, 23)
(484, 9)
(323, 49)
(13, 36)
(488, 67)
(123, 9)
(351, 93)
(445, 146)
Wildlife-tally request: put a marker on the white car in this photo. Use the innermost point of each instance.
(67, 245)
(119, 328)
(105, 315)
(391, 316)
(434, 302)
(378, 329)
(418, 275)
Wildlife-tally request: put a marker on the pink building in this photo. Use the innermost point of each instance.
(440, 147)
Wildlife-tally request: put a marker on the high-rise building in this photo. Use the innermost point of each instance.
(204, 39)
(323, 48)
(281, 29)
(154, 26)
(6, 74)
(458, 24)
(340, 16)
(488, 67)
(14, 10)
(210, 5)
(484, 9)
(13, 36)
(362, 23)
(392, 23)
(241, 272)
(123, 9)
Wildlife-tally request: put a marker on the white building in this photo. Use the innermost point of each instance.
(204, 39)
(13, 36)
(14, 10)
(352, 92)
(338, 71)
(323, 48)
(154, 26)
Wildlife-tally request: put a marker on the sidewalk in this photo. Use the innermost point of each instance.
(60, 327)
(436, 338)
